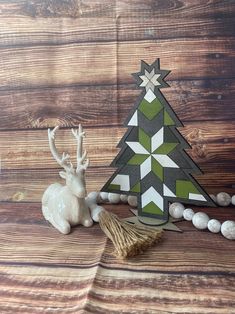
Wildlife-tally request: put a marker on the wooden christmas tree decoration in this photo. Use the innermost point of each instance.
(152, 162)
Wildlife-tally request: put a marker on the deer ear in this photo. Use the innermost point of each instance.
(63, 174)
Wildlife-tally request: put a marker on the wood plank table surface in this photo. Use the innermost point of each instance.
(42, 271)
(65, 62)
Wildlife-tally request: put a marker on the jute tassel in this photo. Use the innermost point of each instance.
(127, 239)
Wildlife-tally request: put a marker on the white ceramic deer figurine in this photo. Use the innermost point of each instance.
(65, 206)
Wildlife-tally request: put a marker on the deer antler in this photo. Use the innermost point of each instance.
(63, 160)
(79, 134)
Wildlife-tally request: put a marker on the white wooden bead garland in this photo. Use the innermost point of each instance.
(223, 199)
(188, 214)
(177, 210)
(132, 200)
(214, 225)
(228, 229)
(114, 198)
(200, 220)
(124, 198)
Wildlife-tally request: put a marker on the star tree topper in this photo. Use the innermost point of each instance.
(151, 76)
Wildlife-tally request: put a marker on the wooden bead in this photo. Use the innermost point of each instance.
(176, 210)
(200, 220)
(104, 196)
(214, 225)
(188, 214)
(123, 198)
(233, 200)
(228, 229)
(114, 198)
(223, 199)
(132, 200)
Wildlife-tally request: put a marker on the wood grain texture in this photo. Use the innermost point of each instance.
(70, 61)
(188, 272)
(27, 172)
(28, 149)
(28, 185)
(107, 106)
(83, 63)
(111, 8)
(19, 31)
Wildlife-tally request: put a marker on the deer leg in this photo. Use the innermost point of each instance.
(86, 219)
(60, 224)
(95, 209)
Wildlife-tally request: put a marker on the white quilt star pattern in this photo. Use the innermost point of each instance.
(150, 80)
(156, 141)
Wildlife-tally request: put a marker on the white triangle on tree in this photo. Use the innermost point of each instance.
(167, 191)
(123, 180)
(134, 119)
(197, 197)
(151, 195)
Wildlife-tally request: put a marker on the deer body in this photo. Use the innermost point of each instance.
(65, 206)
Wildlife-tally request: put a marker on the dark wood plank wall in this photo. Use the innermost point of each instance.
(66, 62)
(70, 61)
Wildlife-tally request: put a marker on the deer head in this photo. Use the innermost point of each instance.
(75, 178)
